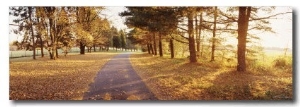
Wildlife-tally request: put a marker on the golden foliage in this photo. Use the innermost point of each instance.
(67, 78)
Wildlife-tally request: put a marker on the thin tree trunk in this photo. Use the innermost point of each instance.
(172, 48)
(243, 21)
(160, 45)
(154, 43)
(42, 46)
(202, 46)
(56, 53)
(199, 35)
(32, 33)
(94, 47)
(214, 36)
(148, 48)
(41, 41)
(191, 38)
(151, 48)
(51, 38)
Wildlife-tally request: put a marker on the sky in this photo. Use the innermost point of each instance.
(112, 13)
(283, 28)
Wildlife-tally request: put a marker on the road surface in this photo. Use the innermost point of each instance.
(117, 80)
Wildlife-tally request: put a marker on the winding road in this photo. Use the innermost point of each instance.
(117, 80)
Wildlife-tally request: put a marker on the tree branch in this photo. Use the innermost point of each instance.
(268, 17)
(179, 40)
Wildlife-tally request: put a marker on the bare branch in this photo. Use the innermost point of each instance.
(268, 17)
(179, 40)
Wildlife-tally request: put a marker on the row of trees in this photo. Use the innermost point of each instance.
(54, 28)
(190, 25)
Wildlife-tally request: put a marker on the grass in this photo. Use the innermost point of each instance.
(177, 79)
(66, 78)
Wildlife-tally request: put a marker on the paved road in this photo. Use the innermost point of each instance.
(117, 80)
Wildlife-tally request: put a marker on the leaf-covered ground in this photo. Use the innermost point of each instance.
(177, 79)
(66, 78)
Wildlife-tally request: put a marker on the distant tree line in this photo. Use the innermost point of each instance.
(54, 28)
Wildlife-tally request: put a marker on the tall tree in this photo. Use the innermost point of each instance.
(193, 57)
(116, 42)
(214, 35)
(84, 17)
(41, 28)
(49, 12)
(122, 39)
(158, 20)
(25, 23)
(30, 12)
(243, 22)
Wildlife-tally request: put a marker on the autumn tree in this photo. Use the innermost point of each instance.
(248, 21)
(139, 36)
(56, 28)
(160, 21)
(41, 28)
(214, 35)
(122, 39)
(100, 31)
(84, 18)
(25, 23)
(116, 42)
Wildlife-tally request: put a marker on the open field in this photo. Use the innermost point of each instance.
(24, 53)
(66, 78)
(177, 79)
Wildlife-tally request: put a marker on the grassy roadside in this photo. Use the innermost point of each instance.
(66, 78)
(176, 79)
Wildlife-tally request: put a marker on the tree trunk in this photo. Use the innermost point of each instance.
(160, 45)
(56, 52)
(243, 21)
(172, 48)
(148, 48)
(82, 48)
(199, 34)
(214, 36)
(42, 46)
(41, 40)
(94, 47)
(191, 38)
(31, 30)
(154, 43)
(202, 46)
(51, 38)
(151, 49)
(51, 55)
